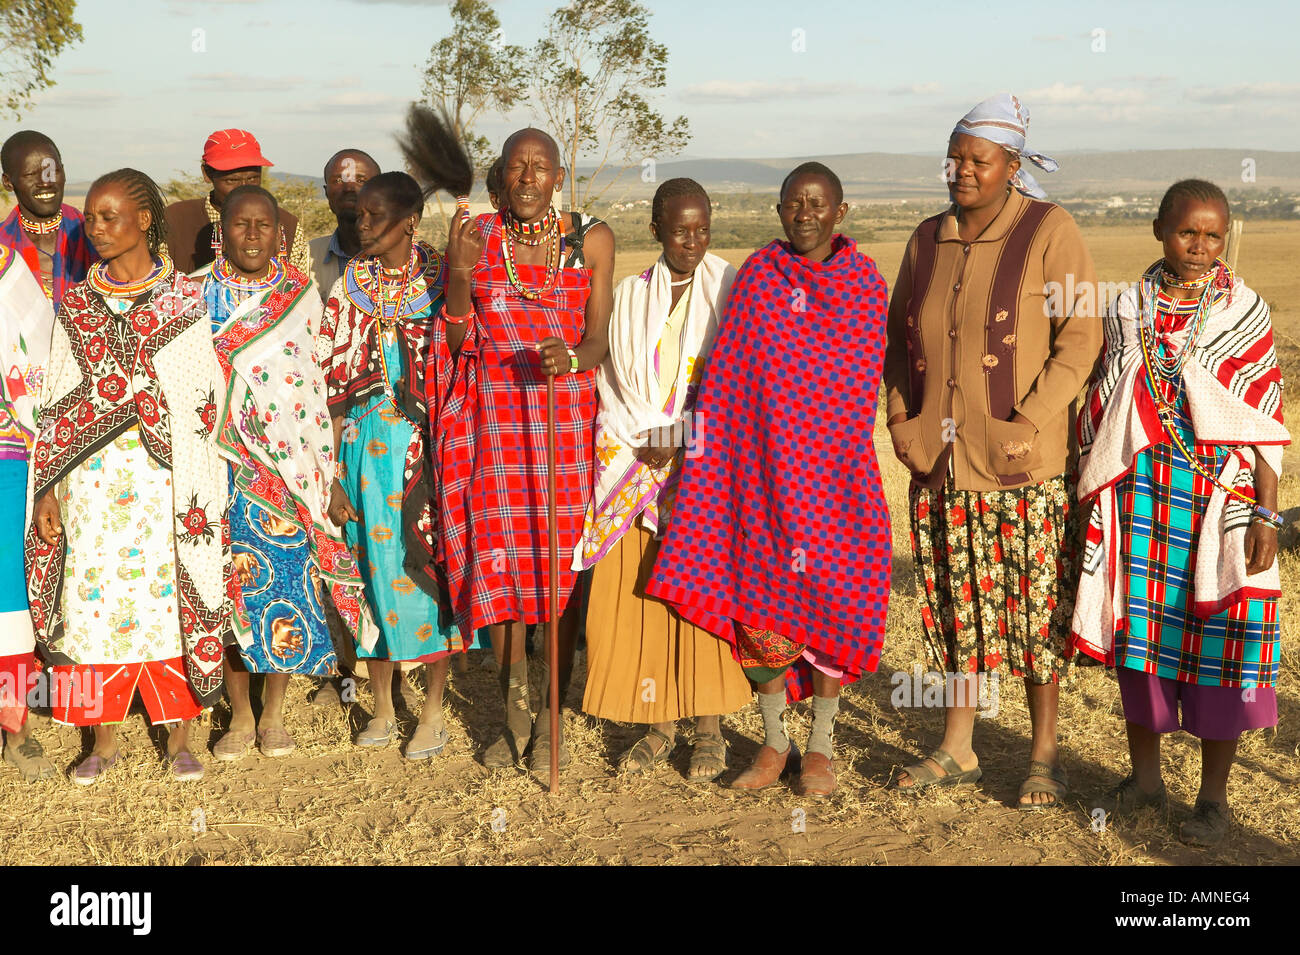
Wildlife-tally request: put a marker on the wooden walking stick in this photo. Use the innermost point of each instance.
(1234, 242)
(553, 623)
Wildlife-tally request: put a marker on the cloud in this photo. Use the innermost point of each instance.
(402, 3)
(1076, 94)
(63, 98)
(85, 71)
(193, 8)
(230, 82)
(916, 89)
(1054, 38)
(354, 101)
(1242, 93)
(759, 91)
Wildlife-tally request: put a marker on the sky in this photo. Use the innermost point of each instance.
(761, 78)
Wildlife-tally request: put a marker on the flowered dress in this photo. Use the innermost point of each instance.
(128, 412)
(279, 440)
(24, 346)
(994, 563)
(374, 373)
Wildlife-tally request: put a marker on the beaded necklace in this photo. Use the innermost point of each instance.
(1168, 368)
(1165, 374)
(103, 283)
(225, 273)
(531, 233)
(40, 228)
(554, 256)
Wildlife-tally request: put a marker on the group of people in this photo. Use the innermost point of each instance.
(239, 452)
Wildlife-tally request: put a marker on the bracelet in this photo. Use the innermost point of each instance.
(453, 321)
(573, 360)
(1265, 516)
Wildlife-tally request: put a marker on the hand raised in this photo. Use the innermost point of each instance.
(464, 242)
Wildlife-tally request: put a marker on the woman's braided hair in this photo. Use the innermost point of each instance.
(144, 192)
(1199, 189)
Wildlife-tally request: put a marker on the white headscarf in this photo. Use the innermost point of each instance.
(1003, 120)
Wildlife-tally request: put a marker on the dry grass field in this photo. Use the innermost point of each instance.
(331, 803)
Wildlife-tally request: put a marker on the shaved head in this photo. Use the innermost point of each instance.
(537, 135)
(356, 153)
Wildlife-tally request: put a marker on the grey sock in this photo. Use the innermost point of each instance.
(772, 705)
(824, 709)
(514, 686)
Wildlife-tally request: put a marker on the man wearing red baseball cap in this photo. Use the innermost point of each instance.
(231, 158)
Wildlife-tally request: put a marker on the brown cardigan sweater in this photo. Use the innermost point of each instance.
(976, 334)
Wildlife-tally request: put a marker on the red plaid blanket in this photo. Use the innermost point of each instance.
(781, 522)
(488, 414)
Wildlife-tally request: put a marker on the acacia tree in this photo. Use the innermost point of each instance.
(471, 71)
(32, 34)
(590, 68)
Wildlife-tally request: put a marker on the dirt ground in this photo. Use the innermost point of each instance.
(332, 803)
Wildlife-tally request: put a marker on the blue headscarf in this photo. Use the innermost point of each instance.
(1003, 120)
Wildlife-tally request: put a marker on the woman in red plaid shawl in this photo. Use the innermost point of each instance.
(779, 542)
(530, 295)
(1181, 446)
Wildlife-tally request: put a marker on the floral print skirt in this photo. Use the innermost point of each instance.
(1000, 568)
(119, 586)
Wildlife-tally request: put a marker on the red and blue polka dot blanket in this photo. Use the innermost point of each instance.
(781, 521)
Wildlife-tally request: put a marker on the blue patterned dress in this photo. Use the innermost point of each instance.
(380, 456)
(271, 554)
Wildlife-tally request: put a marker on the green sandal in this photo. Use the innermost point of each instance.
(708, 757)
(642, 758)
(924, 778)
(1057, 785)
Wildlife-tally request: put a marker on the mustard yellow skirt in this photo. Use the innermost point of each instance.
(645, 664)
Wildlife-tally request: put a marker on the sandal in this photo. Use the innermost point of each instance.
(29, 757)
(377, 733)
(642, 757)
(924, 777)
(1128, 797)
(1209, 826)
(1057, 785)
(185, 767)
(275, 741)
(234, 745)
(708, 757)
(426, 743)
(92, 769)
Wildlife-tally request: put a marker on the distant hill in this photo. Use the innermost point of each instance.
(895, 175)
(906, 176)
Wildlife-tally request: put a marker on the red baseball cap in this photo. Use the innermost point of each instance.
(233, 149)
